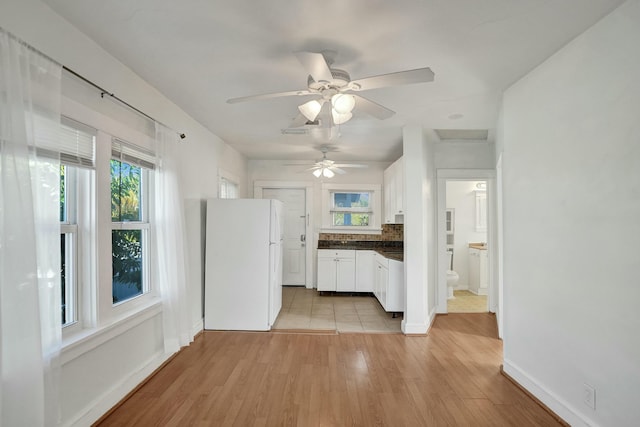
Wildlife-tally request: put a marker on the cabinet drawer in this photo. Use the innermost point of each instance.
(336, 253)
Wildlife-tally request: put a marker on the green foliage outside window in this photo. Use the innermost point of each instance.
(125, 192)
(126, 245)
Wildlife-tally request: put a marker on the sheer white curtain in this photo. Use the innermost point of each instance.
(170, 237)
(30, 299)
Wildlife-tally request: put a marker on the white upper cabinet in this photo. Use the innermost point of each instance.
(394, 193)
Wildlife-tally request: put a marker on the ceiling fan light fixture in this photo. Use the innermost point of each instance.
(339, 119)
(343, 103)
(328, 173)
(310, 109)
(317, 173)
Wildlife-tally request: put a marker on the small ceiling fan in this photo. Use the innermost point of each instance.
(328, 168)
(333, 87)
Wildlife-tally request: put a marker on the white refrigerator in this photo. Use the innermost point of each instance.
(243, 265)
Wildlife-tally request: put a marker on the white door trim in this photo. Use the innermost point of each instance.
(258, 186)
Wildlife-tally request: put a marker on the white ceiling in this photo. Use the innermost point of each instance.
(199, 53)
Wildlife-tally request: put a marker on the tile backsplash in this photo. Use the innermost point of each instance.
(390, 233)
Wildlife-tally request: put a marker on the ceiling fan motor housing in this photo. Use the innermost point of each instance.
(340, 79)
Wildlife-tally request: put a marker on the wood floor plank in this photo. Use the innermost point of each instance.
(449, 378)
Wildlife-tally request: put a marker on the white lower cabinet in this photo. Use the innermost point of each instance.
(346, 274)
(478, 271)
(336, 270)
(365, 269)
(362, 271)
(389, 283)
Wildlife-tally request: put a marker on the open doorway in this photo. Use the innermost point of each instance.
(466, 239)
(466, 246)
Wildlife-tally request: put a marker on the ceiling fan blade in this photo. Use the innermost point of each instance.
(337, 170)
(350, 165)
(316, 65)
(299, 121)
(420, 75)
(372, 108)
(302, 92)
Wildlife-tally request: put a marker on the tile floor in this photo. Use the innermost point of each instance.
(467, 302)
(306, 309)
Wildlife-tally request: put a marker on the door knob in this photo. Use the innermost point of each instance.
(303, 237)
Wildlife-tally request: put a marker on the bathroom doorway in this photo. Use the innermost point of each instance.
(465, 241)
(466, 246)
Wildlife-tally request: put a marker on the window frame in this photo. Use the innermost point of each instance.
(329, 208)
(69, 229)
(77, 154)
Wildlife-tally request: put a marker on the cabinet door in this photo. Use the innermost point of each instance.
(365, 271)
(474, 270)
(326, 274)
(377, 279)
(399, 199)
(345, 274)
(483, 272)
(389, 189)
(384, 286)
(395, 287)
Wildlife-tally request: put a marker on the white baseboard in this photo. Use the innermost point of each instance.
(197, 328)
(563, 409)
(419, 328)
(414, 328)
(108, 400)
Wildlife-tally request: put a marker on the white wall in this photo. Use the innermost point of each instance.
(461, 197)
(419, 231)
(98, 371)
(464, 155)
(571, 166)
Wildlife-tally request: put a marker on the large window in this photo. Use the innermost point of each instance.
(130, 177)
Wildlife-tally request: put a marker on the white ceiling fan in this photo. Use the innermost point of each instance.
(328, 168)
(333, 87)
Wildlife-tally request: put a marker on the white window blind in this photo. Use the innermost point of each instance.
(132, 154)
(70, 141)
(77, 144)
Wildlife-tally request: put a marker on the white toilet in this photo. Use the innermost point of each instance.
(452, 276)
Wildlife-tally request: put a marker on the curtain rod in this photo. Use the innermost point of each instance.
(104, 92)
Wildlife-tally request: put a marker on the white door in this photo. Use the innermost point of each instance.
(294, 212)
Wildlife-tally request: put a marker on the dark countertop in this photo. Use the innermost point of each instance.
(389, 249)
(394, 255)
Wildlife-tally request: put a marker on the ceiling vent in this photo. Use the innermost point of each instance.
(295, 131)
(463, 134)
(304, 129)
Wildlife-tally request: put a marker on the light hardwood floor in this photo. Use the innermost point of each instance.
(450, 377)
